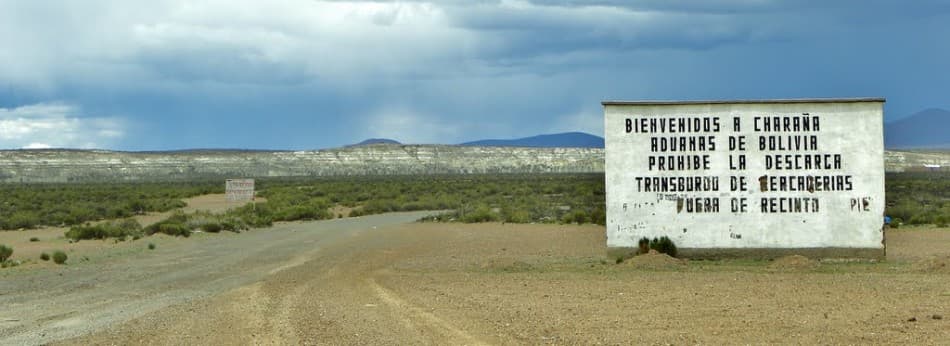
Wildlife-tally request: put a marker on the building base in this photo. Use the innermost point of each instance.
(761, 253)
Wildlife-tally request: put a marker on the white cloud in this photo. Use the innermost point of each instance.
(37, 146)
(480, 69)
(286, 41)
(261, 42)
(56, 125)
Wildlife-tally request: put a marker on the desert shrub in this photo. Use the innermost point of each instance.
(174, 225)
(59, 257)
(252, 215)
(5, 253)
(151, 246)
(34, 239)
(576, 216)
(87, 232)
(920, 219)
(232, 225)
(918, 198)
(129, 225)
(663, 245)
(518, 198)
(44, 256)
(599, 216)
(174, 229)
(70, 204)
(480, 214)
(212, 227)
(137, 206)
(21, 219)
(303, 212)
(115, 229)
(643, 245)
(515, 215)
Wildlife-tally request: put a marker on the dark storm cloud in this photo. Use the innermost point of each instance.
(311, 74)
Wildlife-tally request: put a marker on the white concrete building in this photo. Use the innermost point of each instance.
(756, 178)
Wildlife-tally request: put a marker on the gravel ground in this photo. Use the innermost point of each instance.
(527, 284)
(49, 303)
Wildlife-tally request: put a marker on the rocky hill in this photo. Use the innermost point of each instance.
(50, 165)
(916, 160)
(54, 165)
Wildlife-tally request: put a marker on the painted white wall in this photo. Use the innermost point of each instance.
(852, 129)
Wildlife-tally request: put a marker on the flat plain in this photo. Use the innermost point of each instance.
(385, 279)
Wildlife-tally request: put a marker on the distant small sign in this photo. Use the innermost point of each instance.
(239, 189)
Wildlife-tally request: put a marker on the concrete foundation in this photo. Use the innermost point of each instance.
(761, 253)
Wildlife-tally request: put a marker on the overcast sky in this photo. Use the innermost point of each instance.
(157, 75)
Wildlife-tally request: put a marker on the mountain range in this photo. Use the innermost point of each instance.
(557, 140)
(927, 129)
(372, 141)
(567, 139)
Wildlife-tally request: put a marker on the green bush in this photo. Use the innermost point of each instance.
(481, 214)
(21, 219)
(515, 216)
(918, 198)
(59, 257)
(232, 225)
(212, 227)
(34, 239)
(70, 204)
(151, 246)
(643, 245)
(663, 245)
(44, 256)
(174, 225)
(174, 229)
(115, 229)
(599, 216)
(576, 216)
(5, 253)
(517, 198)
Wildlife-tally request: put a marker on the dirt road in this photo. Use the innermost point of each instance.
(343, 282)
(59, 302)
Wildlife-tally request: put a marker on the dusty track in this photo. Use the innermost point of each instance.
(40, 306)
(516, 284)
